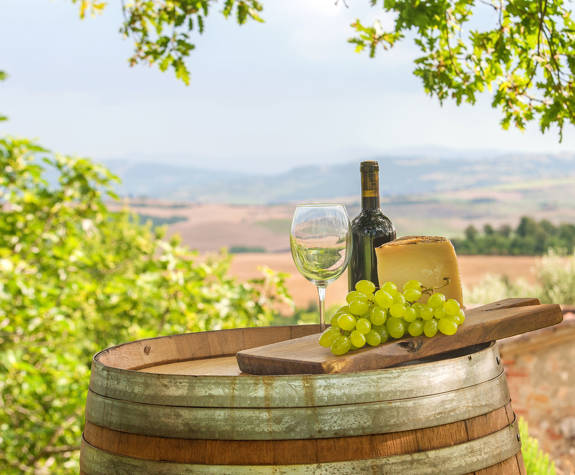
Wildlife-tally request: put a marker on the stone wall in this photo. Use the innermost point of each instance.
(540, 368)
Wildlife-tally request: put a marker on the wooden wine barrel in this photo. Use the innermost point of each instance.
(179, 405)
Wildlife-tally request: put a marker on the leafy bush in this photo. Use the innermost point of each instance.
(555, 277)
(536, 461)
(76, 278)
(497, 287)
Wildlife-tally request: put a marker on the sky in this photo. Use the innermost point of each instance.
(263, 97)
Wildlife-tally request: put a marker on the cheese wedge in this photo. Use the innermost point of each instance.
(428, 259)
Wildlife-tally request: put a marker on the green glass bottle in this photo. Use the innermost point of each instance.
(370, 228)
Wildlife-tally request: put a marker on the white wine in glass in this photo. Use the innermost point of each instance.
(320, 241)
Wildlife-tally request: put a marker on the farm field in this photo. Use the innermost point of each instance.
(210, 227)
(261, 232)
(472, 268)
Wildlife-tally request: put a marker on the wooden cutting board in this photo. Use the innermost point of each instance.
(482, 324)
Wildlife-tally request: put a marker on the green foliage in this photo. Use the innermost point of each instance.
(522, 50)
(556, 276)
(497, 287)
(530, 238)
(2, 78)
(92, 7)
(536, 461)
(162, 30)
(76, 278)
(160, 220)
(555, 284)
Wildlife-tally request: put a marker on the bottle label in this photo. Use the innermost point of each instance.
(369, 185)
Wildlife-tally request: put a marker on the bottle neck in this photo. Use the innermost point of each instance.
(370, 189)
(370, 202)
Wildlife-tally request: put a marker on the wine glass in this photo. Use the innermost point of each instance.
(320, 240)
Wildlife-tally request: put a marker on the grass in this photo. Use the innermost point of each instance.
(536, 461)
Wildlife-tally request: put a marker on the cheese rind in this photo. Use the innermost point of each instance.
(428, 259)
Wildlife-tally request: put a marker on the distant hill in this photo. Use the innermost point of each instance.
(400, 175)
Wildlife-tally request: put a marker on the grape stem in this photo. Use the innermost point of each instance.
(431, 290)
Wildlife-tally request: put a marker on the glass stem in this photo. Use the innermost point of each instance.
(321, 294)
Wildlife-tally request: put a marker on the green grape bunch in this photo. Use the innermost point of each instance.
(373, 317)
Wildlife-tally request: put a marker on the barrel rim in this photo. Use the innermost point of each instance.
(476, 349)
(96, 357)
(473, 366)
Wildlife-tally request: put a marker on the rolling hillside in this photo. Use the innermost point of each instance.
(401, 176)
(208, 227)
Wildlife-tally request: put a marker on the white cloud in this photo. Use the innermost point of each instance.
(318, 30)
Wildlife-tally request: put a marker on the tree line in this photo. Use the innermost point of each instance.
(529, 238)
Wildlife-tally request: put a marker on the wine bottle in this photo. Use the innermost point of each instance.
(370, 228)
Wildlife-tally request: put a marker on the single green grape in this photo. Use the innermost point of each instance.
(397, 310)
(383, 298)
(365, 287)
(455, 318)
(418, 307)
(346, 321)
(334, 320)
(395, 327)
(399, 298)
(328, 336)
(412, 284)
(460, 316)
(389, 287)
(341, 345)
(343, 309)
(357, 339)
(447, 326)
(436, 300)
(426, 313)
(355, 295)
(412, 295)
(373, 338)
(410, 315)
(377, 315)
(430, 328)
(382, 332)
(415, 328)
(439, 312)
(363, 325)
(359, 307)
(451, 307)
